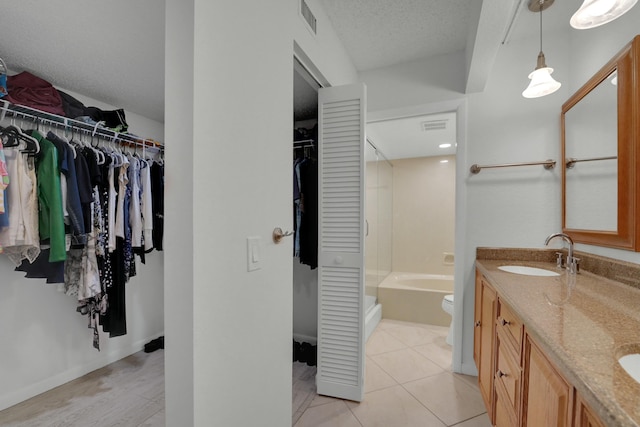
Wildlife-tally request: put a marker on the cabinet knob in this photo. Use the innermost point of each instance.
(477, 324)
(504, 322)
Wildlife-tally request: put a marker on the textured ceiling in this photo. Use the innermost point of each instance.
(378, 33)
(112, 51)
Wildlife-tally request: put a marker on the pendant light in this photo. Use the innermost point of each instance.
(541, 81)
(594, 13)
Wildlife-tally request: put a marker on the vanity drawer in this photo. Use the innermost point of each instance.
(511, 326)
(508, 375)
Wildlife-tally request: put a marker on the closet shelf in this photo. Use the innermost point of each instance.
(7, 108)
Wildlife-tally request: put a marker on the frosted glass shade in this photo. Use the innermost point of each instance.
(594, 13)
(541, 83)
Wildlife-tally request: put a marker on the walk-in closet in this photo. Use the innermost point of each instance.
(305, 215)
(82, 209)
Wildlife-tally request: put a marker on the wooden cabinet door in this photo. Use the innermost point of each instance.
(547, 396)
(504, 416)
(486, 332)
(584, 416)
(477, 320)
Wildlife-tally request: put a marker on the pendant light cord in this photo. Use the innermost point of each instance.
(541, 4)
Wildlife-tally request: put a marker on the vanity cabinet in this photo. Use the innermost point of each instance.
(546, 395)
(484, 336)
(584, 416)
(507, 383)
(519, 384)
(508, 374)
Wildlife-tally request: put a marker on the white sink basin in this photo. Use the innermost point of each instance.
(631, 364)
(528, 271)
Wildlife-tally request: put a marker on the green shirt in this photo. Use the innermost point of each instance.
(50, 210)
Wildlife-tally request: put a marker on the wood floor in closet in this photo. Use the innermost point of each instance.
(129, 392)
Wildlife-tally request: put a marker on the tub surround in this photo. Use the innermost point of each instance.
(414, 297)
(583, 329)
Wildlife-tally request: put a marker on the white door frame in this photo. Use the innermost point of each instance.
(459, 106)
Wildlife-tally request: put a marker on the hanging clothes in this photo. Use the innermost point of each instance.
(147, 207)
(51, 216)
(135, 207)
(4, 183)
(297, 212)
(20, 238)
(113, 204)
(4, 179)
(157, 191)
(309, 213)
(74, 215)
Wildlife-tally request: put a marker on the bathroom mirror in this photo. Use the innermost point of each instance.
(600, 147)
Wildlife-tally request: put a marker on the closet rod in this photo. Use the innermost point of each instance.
(65, 122)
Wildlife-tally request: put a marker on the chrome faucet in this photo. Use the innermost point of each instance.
(572, 262)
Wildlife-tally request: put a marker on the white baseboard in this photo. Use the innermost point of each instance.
(469, 369)
(50, 383)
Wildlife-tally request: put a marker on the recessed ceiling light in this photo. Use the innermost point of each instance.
(445, 145)
(444, 161)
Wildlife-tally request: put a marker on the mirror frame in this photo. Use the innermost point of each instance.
(627, 236)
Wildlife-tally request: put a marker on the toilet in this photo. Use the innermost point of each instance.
(447, 306)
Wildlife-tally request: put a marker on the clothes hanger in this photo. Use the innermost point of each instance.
(16, 136)
(100, 158)
(12, 134)
(116, 156)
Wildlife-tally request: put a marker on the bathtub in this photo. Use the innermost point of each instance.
(414, 297)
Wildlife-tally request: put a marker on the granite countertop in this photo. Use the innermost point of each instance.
(584, 323)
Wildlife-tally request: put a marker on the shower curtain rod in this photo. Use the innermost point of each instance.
(67, 123)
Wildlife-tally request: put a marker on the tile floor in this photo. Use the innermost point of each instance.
(408, 382)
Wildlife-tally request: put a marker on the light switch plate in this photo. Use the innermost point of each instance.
(253, 253)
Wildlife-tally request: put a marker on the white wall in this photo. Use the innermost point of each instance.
(509, 207)
(423, 214)
(514, 207)
(436, 79)
(325, 51)
(45, 342)
(179, 208)
(231, 181)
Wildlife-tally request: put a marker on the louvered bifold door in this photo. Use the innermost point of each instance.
(341, 132)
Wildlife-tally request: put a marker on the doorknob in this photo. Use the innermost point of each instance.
(278, 234)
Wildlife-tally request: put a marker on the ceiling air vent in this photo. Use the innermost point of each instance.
(308, 16)
(433, 125)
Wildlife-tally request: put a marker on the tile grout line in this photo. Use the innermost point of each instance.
(422, 404)
(354, 415)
